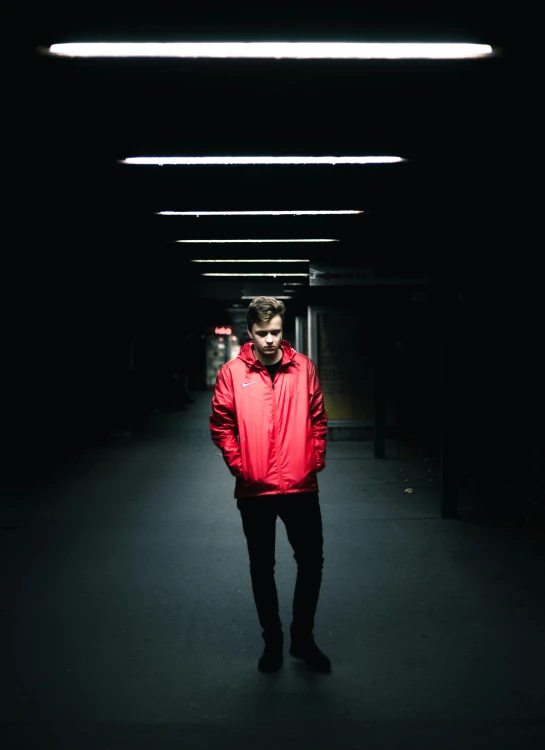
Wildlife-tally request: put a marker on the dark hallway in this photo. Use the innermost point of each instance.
(411, 279)
(132, 624)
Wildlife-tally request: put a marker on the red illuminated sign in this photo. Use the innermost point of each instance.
(222, 330)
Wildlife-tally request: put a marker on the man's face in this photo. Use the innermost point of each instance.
(267, 338)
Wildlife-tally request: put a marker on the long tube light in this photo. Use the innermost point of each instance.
(252, 260)
(223, 241)
(254, 274)
(161, 161)
(253, 213)
(275, 50)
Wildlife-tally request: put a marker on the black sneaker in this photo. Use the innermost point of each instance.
(272, 657)
(310, 653)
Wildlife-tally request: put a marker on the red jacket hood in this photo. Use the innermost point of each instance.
(246, 354)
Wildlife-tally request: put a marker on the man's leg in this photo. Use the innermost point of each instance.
(302, 517)
(259, 525)
(303, 520)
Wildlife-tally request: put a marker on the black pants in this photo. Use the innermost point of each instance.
(303, 521)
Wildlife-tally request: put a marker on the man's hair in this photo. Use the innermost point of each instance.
(263, 309)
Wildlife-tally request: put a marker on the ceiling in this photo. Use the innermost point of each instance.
(74, 120)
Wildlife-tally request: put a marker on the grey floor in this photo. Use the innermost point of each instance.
(129, 620)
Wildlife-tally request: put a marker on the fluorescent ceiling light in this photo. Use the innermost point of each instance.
(276, 296)
(276, 50)
(253, 213)
(208, 160)
(254, 274)
(214, 241)
(253, 260)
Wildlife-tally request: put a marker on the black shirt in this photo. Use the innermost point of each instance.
(271, 369)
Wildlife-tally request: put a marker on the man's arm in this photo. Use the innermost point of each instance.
(318, 417)
(223, 423)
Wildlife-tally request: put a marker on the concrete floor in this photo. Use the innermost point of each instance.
(129, 620)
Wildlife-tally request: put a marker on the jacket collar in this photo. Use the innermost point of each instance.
(246, 354)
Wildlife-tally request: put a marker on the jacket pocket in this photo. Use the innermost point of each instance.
(237, 470)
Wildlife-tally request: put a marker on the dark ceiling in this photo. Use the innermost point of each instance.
(73, 120)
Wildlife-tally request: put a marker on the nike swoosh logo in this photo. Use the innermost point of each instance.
(250, 383)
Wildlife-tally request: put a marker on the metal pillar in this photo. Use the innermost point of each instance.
(449, 409)
(381, 371)
(300, 322)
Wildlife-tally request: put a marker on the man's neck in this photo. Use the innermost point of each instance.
(268, 361)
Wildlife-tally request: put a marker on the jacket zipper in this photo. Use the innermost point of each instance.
(276, 437)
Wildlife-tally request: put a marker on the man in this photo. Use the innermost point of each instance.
(269, 421)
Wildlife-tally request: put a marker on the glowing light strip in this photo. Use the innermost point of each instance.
(161, 161)
(254, 274)
(223, 241)
(276, 296)
(253, 213)
(276, 50)
(253, 260)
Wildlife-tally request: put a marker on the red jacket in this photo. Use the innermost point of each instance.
(272, 438)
